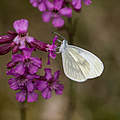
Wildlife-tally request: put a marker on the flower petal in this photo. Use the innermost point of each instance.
(42, 7)
(52, 55)
(11, 64)
(30, 86)
(48, 74)
(22, 44)
(46, 16)
(15, 49)
(27, 52)
(46, 93)
(58, 22)
(76, 4)
(20, 69)
(21, 26)
(34, 3)
(17, 58)
(32, 69)
(58, 4)
(39, 45)
(13, 84)
(36, 61)
(56, 75)
(29, 39)
(6, 38)
(59, 89)
(20, 96)
(87, 2)
(12, 72)
(66, 12)
(42, 85)
(31, 77)
(49, 5)
(32, 97)
(4, 49)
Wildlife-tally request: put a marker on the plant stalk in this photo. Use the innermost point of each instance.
(23, 111)
(71, 105)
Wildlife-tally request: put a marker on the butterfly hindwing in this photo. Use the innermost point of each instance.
(96, 65)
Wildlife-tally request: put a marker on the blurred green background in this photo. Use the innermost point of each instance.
(98, 30)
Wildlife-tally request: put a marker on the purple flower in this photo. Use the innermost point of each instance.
(42, 5)
(34, 3)
(52, 49)
(55, 9)
(56, 13)
(78, 3)
(21, 27)
(22, 63)
(18, 40)
(26, 86)
(21, 96)
(87, 2)
(31, 97)
(6, 42)
(48, 83)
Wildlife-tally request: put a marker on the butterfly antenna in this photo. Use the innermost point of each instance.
(59, 35)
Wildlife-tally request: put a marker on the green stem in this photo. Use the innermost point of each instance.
(71, 104)
(23, 111)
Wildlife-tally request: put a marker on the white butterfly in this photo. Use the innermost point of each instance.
(79, 64)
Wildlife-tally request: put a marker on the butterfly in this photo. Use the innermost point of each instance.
(79, 64)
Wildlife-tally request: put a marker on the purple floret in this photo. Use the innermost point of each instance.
(24, 63)
(16, 41)
(55, 10)
(50, 82)
(26, 86)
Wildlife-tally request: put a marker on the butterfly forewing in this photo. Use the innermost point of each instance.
(75, 66)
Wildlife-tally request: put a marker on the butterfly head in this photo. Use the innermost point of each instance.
(63, 46)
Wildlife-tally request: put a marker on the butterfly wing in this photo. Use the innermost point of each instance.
(75, 66)
(80, 64)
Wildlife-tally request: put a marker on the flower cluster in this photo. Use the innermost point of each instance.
(55, 9)
(24, 67)
(18, 40)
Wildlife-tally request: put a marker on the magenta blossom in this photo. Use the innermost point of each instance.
(56, 13)
(77, 4)
(24, 67)
(26, 86)
(19, 39)
(55, 9)
(50, 82)
(21, 64)
(52, 49)
(16, 40)
(42, 5)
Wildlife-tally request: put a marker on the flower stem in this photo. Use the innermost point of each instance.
(71, 105)
(23, 111)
